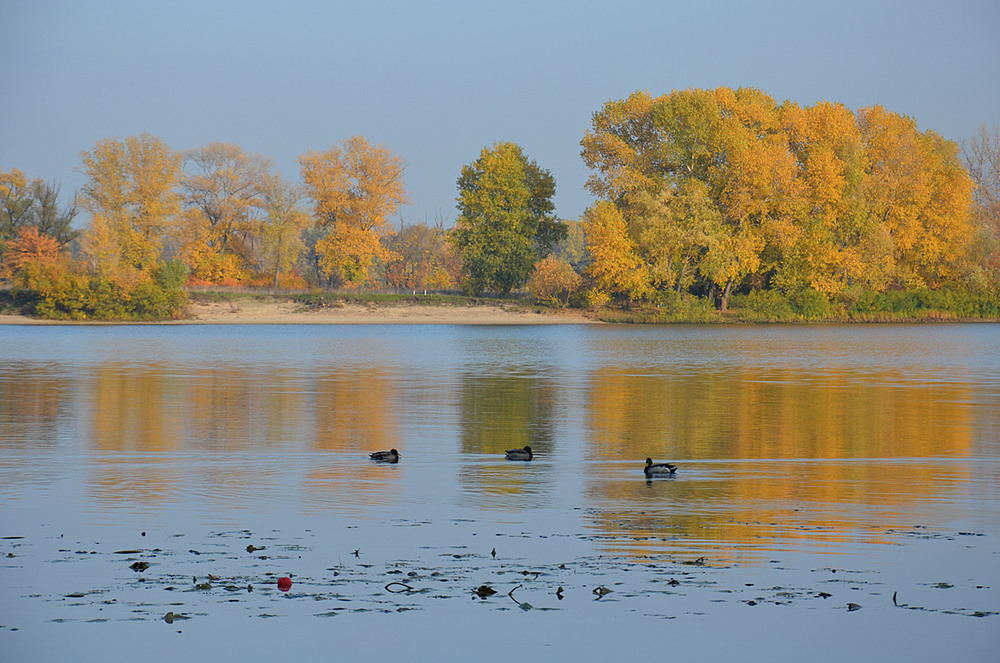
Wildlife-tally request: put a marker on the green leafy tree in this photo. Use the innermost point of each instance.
(506, 222)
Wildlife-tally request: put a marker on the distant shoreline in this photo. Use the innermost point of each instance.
(275, 309)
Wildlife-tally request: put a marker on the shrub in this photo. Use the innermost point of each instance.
(55, 292)
(810, 304)
(764, 306)
(553, 280)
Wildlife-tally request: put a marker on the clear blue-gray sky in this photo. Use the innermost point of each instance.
(436, 81)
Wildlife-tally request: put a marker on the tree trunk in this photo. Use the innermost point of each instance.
(725, 296)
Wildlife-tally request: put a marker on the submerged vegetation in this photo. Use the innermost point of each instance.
(712, 205)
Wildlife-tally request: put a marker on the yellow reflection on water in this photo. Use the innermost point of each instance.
(746, 420)
(747, 415)
(31, 401)
(356, 411)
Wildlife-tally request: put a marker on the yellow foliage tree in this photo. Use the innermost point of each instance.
(131, 195)
(15, 206)
(918, 191)
(796, 198)
(354, 188)
(616, 268)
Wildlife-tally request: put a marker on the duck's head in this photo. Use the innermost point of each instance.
(649, 461)
(527, 448)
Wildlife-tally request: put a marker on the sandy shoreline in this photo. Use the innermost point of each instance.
(277, 312)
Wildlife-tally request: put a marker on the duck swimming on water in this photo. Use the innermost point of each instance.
(519, 454)
(390, 456)
(659, 469)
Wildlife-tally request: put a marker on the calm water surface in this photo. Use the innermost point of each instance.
(804, 452)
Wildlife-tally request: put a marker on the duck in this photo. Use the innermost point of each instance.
(659, 469)
(519, 454)
(390, 456)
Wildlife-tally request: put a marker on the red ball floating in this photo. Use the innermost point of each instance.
(284, 583)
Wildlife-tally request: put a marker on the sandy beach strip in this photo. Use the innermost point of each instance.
(250, 311)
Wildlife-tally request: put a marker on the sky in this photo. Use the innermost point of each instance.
(435, 81)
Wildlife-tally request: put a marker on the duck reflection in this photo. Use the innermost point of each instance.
(503, 416)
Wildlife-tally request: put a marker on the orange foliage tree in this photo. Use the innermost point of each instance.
(553, 280)
(29, 247)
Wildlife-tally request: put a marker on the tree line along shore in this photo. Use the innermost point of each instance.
(710, 206)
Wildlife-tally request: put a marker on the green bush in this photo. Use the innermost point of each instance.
(172, 275)
(764, 306)
(923, 303)
(59, 294)
(810, 304)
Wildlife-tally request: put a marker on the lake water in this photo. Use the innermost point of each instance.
(838, 492)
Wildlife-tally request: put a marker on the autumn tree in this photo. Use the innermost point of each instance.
(917, 191)
(728, 141)
(616, 268)
(280, 236)
(981, 155)
(131, 196)
(723, 189)
(33, 203)
(506, 221)
(15, 204)
(675, 233)
(830, 242)
(223, 191)
(573, 247)
(423, 258)
(553, 280)
(29, 247)
(354, 188)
